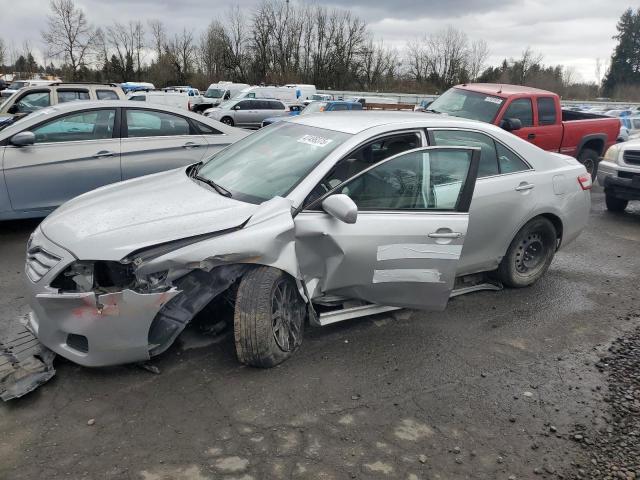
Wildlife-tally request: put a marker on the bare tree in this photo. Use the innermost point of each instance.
(477, 56)
(3, 53)
(69, 35)
(159, 35)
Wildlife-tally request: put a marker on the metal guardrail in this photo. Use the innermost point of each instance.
(416, 98)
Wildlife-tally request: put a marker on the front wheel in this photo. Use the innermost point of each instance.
(269, 318)
(615, 204)
(589, 158)
(227, 121)
(529, 255)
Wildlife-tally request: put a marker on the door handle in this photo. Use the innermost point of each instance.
(523, 187)
(189, 145)
(445, 235)
(531, 136)
(104, 153)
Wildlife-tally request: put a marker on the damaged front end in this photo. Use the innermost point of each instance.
(107, 312)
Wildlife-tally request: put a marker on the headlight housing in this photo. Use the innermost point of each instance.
(613, 154)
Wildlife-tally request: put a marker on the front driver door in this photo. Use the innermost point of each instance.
(404, 248)
(72, 154)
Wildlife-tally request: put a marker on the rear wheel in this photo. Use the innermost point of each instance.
(589, 158)
(529, 255)
(269, 318)
(227, 121)
(615, 204)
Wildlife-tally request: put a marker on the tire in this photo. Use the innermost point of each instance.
(227, 121)
(615, 204)
(589, 158)
(264, 337)
(529, 255)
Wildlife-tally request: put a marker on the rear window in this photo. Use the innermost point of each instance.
(106, 95)
(546, 111)
(71, 95)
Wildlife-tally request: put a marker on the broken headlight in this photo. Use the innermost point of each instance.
(98, 276)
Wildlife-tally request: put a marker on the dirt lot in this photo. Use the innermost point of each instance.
(496, 387)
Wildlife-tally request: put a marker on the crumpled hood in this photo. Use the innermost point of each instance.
(112, 221)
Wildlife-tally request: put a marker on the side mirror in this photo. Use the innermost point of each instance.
(340, 206)
(23, 139)
(236, 107)
(511, 124)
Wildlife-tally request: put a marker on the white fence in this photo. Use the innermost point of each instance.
(415, 98)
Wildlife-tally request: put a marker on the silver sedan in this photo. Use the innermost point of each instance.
(63, 151)
(320, 218)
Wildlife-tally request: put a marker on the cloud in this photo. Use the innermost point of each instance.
(568, 32)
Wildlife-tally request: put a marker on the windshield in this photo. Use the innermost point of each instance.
(314, 107)
(467, 104)
(16, 85)
(214, 93)
(272, 161)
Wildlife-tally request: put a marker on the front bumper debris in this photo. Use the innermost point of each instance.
(25, 364)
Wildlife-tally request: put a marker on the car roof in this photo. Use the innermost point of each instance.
(80, 105)
(356, 121)
(503, 89)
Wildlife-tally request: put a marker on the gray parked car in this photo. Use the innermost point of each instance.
(325, 217)
(59, 152)
(248, 113)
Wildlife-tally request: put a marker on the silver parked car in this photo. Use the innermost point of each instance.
(59, 152)
(325, 217)
(247, 113)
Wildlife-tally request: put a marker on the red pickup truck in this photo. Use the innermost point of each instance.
(534, 115)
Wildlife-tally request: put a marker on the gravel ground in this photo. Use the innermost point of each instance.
(495, 387)
(614, 448)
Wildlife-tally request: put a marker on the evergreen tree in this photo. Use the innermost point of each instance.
(625, 61)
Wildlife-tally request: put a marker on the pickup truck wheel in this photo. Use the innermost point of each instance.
(589, 158)
(227, 121)
(269, 318)
(615, 204)
(529, 255)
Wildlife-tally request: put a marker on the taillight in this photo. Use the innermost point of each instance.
(189, 104)
(585, 181)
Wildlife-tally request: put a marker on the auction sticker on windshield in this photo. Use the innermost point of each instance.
(315, 140)
(493, 100)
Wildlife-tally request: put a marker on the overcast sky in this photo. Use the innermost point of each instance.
(568, 32)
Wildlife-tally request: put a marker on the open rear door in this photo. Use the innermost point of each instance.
(404, 248)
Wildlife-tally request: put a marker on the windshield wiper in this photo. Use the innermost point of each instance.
(431, 110)
(218, 188)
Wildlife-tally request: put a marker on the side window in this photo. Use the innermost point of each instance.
(425, 180)
(462, 138)
(138, 98)
(71, 95)
(364, 157)
(339, 106)
(277, 106)
(149, 123)
(522, 110)
(33, 101)
(206, 129)
(106, 95)
(246, 104)
(92, 125)
(546, 111)
(509, 161)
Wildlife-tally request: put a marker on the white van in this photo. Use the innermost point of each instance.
(306, 91)
(218, 93)
(365, 100)
(286, 94)
(172, 99)
(18, 84)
